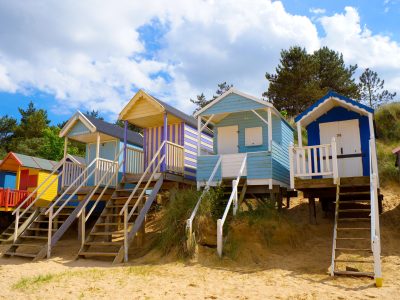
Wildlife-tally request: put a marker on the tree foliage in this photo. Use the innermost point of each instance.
(372, 90)
(202, 101)
(302, 78)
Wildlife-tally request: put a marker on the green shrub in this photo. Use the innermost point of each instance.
(387, 120)
(386, 164)
(173, 222)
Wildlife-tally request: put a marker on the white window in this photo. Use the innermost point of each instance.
(253, 136)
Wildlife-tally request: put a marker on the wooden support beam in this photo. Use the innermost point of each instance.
(299, 136)
(269, 129)
(259, 116)
(312, 211)
(199, 135)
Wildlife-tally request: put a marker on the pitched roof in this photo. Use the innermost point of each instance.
(116, 131)
(77, 159)
(340, 100)
(31, 161)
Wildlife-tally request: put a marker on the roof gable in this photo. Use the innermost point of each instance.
(232, 101)
(326, 103)
(27, 161)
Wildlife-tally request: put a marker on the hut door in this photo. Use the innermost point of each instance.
(347, 134)
(228, 140)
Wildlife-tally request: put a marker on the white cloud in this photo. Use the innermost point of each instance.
(89, 54)
(359, 45)
(317, 11)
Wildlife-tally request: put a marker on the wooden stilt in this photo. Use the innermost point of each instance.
(312, 211)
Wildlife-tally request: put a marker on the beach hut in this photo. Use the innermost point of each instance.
(85, 185)
(339, 166)
(251, 139)
(21, 174)
(169, 162)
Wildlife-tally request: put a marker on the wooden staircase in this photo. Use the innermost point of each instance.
(7, 236)
(34, 241)
(107, 237)
(351, 251)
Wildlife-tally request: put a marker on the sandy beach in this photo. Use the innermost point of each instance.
(280, 272)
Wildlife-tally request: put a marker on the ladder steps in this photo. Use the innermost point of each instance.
(27, 245)
(354, 193)
(354, 261)
(354, 249)
(354, 273)
(98, 253)
(351, 201)
(41, 229)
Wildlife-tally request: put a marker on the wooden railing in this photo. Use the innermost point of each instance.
(134, 161)
(174, 158)
(150, 172)
(309, 161)
(71, 172)
(232, 199)
(105, 167)
(10, 198)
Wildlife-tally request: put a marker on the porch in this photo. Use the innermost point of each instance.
(11, 198)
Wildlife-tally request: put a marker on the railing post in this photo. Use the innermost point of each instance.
(125, 146)
(219, 237)
(334, 161)
(49, 233)
(16, 225)
(7, 199)
(82, 222)
(235, 198)
(291, 161)
(126, 235)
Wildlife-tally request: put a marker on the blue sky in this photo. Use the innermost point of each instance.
(69, 56)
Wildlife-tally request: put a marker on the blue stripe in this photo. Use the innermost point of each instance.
(191, 155)
(191, 163)
(190, 177)
(190, 148)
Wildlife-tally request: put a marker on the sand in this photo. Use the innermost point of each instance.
(280, 272)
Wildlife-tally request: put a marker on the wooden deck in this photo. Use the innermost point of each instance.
(320, 183)
(168, 177)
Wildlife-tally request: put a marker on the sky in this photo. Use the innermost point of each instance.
(94, 55)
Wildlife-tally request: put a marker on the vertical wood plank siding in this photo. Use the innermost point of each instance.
(232, 103)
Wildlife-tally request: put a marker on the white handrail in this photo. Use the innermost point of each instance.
(234, 196)
(375, 230)
(189, 222)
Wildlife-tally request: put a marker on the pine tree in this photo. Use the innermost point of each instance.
(301, 78)
(201, 100)
(372, 90)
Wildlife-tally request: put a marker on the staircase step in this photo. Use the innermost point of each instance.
(354, 261)
(98, 253)
(31, 255)
(34, 237)
(119, 243)
(112, 224)
(354, 219)
(355, 210)
(351, 201)
(41, 229)
(352, 238)
(27, 245)
(354, 193)
(6, 233)
(354, 273)
(353, 228)
(107, 233)
(354, 249)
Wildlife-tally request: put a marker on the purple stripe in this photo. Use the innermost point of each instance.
(190, 148)
(190, 177)
(195, 129)
(190, 163)
(195, 136)
(182, 134)
(190, 155)
(188, 169)
(145, 148)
